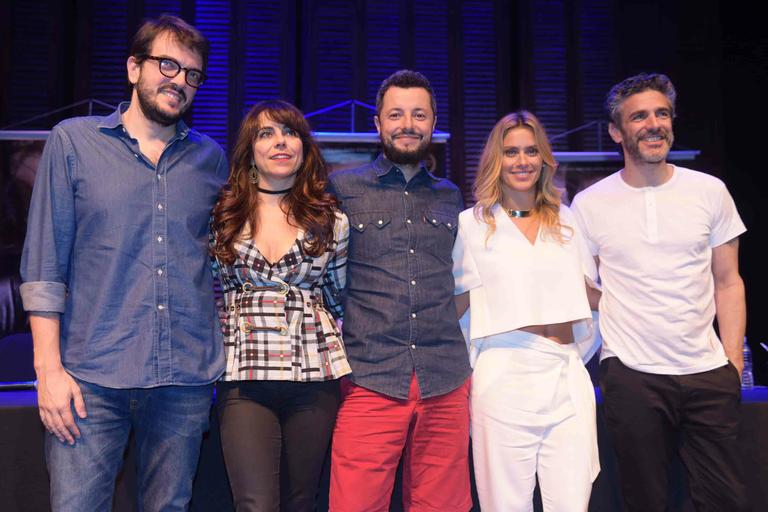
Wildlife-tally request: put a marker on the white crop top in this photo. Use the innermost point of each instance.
(514, 284)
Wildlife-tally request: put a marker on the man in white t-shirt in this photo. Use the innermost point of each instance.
(666, 242)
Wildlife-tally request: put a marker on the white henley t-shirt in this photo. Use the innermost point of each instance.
(655, 249)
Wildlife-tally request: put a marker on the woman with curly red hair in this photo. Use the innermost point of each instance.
(279, 245)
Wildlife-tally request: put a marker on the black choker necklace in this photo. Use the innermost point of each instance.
(516, 214)
(274, 192)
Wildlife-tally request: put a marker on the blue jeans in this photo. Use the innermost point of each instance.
(168, 423)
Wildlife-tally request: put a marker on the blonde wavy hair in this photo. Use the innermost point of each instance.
(487, 186)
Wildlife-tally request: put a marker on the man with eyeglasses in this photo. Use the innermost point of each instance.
(117, 284)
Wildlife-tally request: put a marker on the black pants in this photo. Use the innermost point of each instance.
(650, 415)
(274, 436)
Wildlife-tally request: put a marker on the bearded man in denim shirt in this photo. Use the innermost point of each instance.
(117, 284)
(408, 393)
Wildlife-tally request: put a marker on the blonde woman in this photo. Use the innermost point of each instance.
(522, 269)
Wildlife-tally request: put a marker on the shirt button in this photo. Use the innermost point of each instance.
(411, 251)
(413, 282)
(160, 206)
(136, 155)
(160, 239)
(408, 221)
(160, 307)
(413, 346)
(406, 192)
(381, 222)
(159, 271)
(434, 221)
(360, 226)
(448, 224)
(413, 315)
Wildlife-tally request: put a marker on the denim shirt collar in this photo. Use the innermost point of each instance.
(383, 166)
(114, 122)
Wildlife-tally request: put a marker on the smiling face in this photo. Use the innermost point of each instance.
(645, 131)
(521, 163)
(405, 124)
(163, 100)
(277, 153)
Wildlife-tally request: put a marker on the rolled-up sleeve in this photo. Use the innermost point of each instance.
(50, 229)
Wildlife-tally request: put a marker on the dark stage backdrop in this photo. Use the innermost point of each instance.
(484, 58)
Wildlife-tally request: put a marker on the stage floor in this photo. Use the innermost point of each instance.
(24, 482)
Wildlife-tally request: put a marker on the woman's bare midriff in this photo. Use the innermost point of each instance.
(559, 333)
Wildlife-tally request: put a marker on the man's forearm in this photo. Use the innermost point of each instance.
(462, 303)
(732, 320)
(57, 391)
(45, 336)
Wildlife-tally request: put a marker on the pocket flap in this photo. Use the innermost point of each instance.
(437, 218)
(360, 221)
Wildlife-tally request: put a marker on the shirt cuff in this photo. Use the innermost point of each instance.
(43, 296)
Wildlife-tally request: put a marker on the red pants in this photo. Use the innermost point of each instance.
(371, 432)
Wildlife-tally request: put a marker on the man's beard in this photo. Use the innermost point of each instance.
(148, 104)
(406, 157)
(638, 155)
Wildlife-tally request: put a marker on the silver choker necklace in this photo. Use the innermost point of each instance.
(517, 214)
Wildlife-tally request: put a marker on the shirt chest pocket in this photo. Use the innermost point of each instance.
(440, 231)
(370, 233)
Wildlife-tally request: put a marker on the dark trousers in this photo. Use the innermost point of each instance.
(648, 416)
(274, 436)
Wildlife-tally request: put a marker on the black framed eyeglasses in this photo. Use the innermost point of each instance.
(170, 68)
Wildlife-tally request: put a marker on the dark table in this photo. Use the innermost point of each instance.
(24, 481)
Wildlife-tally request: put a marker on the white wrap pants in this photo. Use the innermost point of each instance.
(533, 413)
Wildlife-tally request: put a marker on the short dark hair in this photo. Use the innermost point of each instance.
(634, 85)
(406, 79)
(184, 33)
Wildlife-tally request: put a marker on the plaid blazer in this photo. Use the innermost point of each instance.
(277, 319)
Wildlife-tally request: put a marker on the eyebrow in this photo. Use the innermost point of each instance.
(638, 111)
(279, 126)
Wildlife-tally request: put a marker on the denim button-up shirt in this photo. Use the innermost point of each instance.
(118, 246)
(399, 314)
